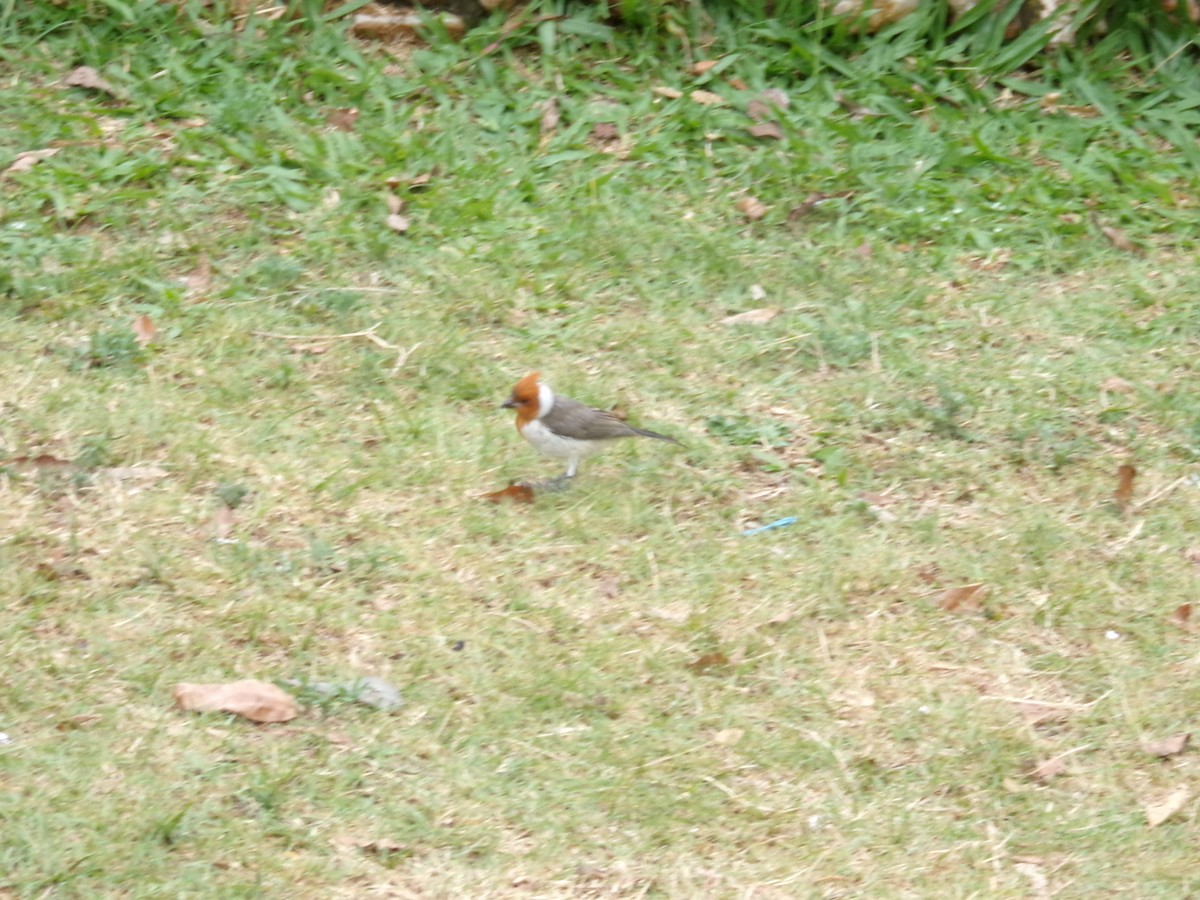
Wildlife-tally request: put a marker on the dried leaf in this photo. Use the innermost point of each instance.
(604, 133)
(1117, 385)
(766, 130)
(517, 493)
(752, 208)
(199, 280)
(395, 205)
(727, 737)
(752, 316)
(1048, 769)
(1160, 811)
(1118, 238)
(549, 116)
(223, 521)
(42, 464)
(88, 78)
(258, 701)
(1171, 746)
(1124, 492)
(28, 159)
(965, 598)
(1182, 616)
(708, 662)
(809, 204)
(669, 93)
(703, 65)
(343, 119)
(421, 182)
(706, 98)
(759, 111)
(144, 331)
(397, 223)
(775, 97)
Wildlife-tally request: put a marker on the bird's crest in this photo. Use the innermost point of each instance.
(526, 390)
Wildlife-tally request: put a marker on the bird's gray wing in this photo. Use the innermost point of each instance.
(574, 419)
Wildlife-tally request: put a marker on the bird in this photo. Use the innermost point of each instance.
(564, 428)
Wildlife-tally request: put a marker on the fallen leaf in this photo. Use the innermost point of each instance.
(766, 130)
(549, 116)
(809, 204)
(727, 737)
(421, 182)
(42, 464)
(775, 97)
(1160, 811)
(144, 331)
(1117, 385)
(737, 84)
(395, 205)
(342, 119)
(1171, 746)
(610, 587)
(752, 208)
(27, 159)
(1118, 238)
(759, 111)
(1036, 876)
(199, 280)
(1048, 769)
(258, 701)
(1124, 492)
(708, 661)
(669, 93)
(223, 521)
(706, 98)
(518, 493)
(966, 598)
(88, 78)
(1182, 616)
(397, 223)
(703, 65)
(752, 316)
(382, 847)
(605, 132)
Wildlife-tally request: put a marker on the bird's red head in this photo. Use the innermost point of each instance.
(524, 398)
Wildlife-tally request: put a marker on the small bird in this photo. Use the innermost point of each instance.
(564, 428)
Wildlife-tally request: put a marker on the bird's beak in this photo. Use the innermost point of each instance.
(508, 404)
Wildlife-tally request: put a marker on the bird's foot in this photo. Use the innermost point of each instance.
(549, 485)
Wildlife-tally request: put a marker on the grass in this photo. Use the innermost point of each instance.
(611, 692)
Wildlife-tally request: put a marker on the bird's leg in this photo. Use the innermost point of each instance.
(549, 485)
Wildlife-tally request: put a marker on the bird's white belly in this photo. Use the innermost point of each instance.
(546, 441)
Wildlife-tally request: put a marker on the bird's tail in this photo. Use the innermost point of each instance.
(654, 434)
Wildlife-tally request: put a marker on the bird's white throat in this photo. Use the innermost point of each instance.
(545, 399)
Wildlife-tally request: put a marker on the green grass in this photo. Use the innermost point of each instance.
(934, 402)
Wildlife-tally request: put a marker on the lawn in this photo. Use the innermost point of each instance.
(260, 307)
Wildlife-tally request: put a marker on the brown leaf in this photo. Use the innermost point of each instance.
(199, 280)
(343, 119)
(1048, 769)
(1161, 810)
(605, 132)
(1124, 492)
(1116, 385)
(737, 84)
(775, 97)
(144, 331)
(669, 93)
(1118, 238)
(1182, 616)
(708, 661)
(27, 159)
(965, 598)
(1171, 746)
(397, 223)
(752, 316)
(549, 116)
(88, 78)
(809, 204)
(703, 65)
(517, 493)
(759, 111)
(752, 208)
(223, 521)
(421, 182)
(258, 701)
(42, 464)
(706, 98)
(395, 205)
(766, 130)
(727, 737)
